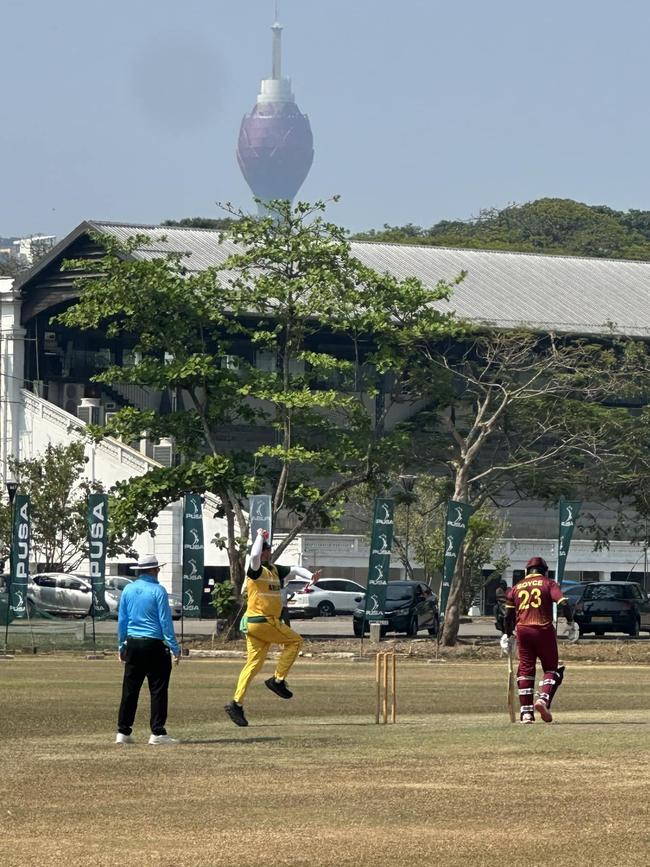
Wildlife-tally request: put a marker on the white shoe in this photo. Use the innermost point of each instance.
(163, 741)
(527, 719)
(124, 739)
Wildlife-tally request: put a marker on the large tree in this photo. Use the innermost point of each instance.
(419, 530)
(523, 415)
(624, 481)
(327, 337)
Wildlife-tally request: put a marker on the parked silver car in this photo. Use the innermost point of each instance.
(61, 593)
(175, 605)
(115, 584)
(70, 594)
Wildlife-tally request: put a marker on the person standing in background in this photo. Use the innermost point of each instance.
(500, 605)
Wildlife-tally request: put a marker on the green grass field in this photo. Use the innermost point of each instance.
(313, 781)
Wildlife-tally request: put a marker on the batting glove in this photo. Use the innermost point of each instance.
(573, 631)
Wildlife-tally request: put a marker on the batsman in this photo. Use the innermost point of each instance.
(529, 608)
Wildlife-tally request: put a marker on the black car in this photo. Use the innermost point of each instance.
(613, 606)
(410, 606)
(573, 593)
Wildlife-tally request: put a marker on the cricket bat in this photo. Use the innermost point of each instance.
(511, 688)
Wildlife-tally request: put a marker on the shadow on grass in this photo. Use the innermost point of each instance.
(630, 722)
(322, 724)
(222, 741)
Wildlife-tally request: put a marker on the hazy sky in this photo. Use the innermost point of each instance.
(421, 110)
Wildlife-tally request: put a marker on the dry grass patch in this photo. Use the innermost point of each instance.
(314, 781)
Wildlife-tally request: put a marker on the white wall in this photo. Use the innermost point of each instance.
(110, 461)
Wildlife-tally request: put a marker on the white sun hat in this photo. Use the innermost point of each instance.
(147, 561)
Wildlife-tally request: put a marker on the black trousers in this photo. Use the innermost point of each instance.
(150, 658)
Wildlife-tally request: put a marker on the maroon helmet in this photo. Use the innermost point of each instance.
(537, 563)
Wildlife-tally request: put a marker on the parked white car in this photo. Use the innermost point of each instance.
(326, 598)
(293, 586)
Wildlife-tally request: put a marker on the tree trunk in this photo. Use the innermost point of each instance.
(235, 558)
(454, 603)
(237, 574)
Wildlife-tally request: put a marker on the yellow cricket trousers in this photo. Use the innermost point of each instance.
(259, 638)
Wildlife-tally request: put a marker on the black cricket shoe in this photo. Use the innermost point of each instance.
(279, 687)
(236, 713)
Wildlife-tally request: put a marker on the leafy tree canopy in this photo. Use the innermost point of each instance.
(10, 266)
(559, 226)
(292, 337)
(201, 223)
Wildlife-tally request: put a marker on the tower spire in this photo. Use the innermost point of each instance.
(276, 72)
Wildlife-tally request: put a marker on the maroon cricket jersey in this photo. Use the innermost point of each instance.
(533, 599)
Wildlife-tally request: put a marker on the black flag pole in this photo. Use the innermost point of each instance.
(97, 530)
(193, 559)
(12, 487)
(182, 624)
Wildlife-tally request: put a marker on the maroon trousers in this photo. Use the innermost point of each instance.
(533, 643)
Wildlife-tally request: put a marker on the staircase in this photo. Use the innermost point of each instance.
(111, 394)
(130, 394)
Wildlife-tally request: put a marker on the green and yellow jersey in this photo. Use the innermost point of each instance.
(263, 590)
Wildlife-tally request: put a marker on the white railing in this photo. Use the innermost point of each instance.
(108, 447)
(111, 448)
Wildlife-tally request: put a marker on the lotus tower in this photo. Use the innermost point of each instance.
(276, 147)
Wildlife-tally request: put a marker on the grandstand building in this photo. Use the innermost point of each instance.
(46, 386)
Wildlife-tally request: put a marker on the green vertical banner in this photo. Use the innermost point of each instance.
(97, 519)
(379, 562)
(19, 558)
(193, 555)
(569, 511)
(458, 515)
(260, 514)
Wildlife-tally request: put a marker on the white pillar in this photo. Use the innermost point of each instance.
(12, 370)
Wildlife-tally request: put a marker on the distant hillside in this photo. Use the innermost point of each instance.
(559, 226)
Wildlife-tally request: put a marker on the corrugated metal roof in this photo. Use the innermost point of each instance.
(561, 293)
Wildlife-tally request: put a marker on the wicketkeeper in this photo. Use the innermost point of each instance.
(529, 607)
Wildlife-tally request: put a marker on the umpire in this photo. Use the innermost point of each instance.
(145, 634)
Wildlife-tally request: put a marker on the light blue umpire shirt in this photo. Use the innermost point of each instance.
(144, 613)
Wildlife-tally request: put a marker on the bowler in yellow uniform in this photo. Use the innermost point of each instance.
(264, 626)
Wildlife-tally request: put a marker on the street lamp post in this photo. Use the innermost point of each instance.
(645, 556)
(408, 483)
